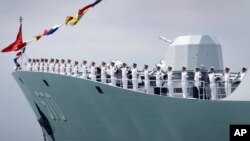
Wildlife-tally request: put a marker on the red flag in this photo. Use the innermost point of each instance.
(81, 11)
(19, 34)
(17, 44)
(20, 46)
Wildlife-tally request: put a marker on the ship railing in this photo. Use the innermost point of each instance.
(193, 92)
(201, 92)
(163, 90)
(223, 89)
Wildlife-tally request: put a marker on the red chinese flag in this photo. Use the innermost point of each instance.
(17, 44)
(20, 46)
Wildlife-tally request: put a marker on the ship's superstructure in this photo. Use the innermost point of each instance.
(193, 51)
(71, 108)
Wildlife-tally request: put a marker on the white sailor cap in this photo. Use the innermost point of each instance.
(212, 67)
(158, 65)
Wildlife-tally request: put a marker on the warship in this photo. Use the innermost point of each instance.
(75, 109)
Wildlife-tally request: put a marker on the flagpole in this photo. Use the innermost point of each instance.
(20, 20)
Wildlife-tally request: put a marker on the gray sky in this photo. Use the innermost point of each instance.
(114, 29)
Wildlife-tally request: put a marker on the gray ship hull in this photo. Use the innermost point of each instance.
(83, 110)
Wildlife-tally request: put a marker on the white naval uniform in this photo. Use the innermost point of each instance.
(92, 74)
(112, 75)
(62, 69)
(146, 81)
(197, 77)
(57, 68)
(170, 83)
(29, 66)
(75, 71)
(124, 77)
(242, 74)
(135, 79)
(45, 67)
(227, 83)
(84, 71)
(68, 69)
(36, 68)
(212, 85)
(41, 67)
(103, 74)
(51, 67)
(158, 79)
(184, 77)
(33, 66)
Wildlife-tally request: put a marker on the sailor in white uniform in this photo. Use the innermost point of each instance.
(146, 79)
(124, 70)
(68, 67)
(37, 65)
(211, 75)
(84, 69)
(226, 77)
(46, 65)
(103, 73)
(33, 64)
(29, 65)
(92, 74)
(158, 77)
(135, 77)
(197, 77)
(62, 67)
(41, 66)
(184, 77)
(170, 82)
(57, 66)
(76, 69)
(51, 66)
(113, 70)
(242, 73)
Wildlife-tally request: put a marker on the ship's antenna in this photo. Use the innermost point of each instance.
(165, 39)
